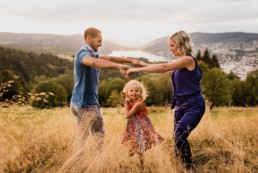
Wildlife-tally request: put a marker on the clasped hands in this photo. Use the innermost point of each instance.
(126, 70)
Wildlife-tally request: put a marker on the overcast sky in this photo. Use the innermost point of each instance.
(130, 22)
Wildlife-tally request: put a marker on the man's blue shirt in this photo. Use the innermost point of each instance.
(85, 91)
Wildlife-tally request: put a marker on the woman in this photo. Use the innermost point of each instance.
(188, 101)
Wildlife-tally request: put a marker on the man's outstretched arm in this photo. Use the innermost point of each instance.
(134, 62)
(102, 63)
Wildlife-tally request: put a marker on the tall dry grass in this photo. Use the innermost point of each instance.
(35, 140)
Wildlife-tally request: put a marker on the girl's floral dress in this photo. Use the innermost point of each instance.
(139, 133)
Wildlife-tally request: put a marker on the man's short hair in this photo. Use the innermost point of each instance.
(93, 32)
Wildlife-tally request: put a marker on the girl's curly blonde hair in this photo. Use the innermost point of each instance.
(134, 82)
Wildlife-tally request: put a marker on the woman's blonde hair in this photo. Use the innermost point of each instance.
(183, 41)
(135, 82)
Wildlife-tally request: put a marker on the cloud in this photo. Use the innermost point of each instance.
(129, 20)
(101, 10)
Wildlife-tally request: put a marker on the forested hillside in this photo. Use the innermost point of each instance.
(44, 80)
(28, 65)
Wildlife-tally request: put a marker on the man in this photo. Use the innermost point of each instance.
(84, 102)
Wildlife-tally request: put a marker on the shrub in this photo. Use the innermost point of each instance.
(49, 94)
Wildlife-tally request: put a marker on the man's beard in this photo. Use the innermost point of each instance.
(94, 48)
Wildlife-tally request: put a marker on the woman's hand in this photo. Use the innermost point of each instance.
(133, 70)
(138, 63)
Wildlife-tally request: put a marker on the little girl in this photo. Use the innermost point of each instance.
(139, 134)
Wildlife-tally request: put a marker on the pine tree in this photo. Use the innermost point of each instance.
(198, 56)
(206, 57)
(214, 62)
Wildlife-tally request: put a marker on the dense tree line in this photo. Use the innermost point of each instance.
(28, 65)
(27, 70)
(44, 80)
(223, 89)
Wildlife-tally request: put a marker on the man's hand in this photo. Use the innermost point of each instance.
(135, 62)
(123, 70)
(138, 63)
(124, 73)
(143, 64)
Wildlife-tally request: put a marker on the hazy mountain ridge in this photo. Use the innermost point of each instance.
(69, 44)
(57, 44)
(236, 51)
(199, 37)
(160, 46)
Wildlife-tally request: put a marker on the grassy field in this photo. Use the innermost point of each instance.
(34, 140)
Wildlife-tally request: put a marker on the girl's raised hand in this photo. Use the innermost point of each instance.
(127, 101)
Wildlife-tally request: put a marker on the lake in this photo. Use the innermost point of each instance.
(139, 54)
